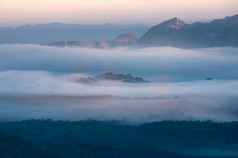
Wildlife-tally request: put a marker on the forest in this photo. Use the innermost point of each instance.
(90, 138)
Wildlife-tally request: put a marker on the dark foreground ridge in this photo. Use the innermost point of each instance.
(85, 139)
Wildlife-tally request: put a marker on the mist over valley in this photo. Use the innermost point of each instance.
(119, 90)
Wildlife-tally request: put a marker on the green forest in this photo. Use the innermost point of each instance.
(115, 139)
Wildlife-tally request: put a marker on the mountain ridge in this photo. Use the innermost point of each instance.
(46, 33)
(173, 32)
(176, 33)
(128, 39)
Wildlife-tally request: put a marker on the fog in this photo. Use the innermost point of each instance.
(14, 82)
(131, 110)
(39, 82)
(172, 63)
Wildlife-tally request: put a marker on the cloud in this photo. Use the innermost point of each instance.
(40, 94)
(40, 82)
(47, 83)
(152, 63)
(135, 110)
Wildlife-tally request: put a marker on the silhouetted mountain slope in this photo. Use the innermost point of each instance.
(176, 33)
(45, 33)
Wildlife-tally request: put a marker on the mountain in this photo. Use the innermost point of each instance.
(45, 33)
(84, 44)
(176, 33)
(173, 32)
(111, 77)
(120, 77)
(127, 39)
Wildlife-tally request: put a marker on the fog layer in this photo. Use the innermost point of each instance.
(172, 63)
(42, 82)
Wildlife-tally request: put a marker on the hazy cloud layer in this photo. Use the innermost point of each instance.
(47, 83)
(117, 108)
(172, 63)
(40, 82)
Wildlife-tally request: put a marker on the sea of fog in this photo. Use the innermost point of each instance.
(39, 82)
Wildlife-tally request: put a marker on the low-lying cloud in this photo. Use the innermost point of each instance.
(172, 63)
(41, 82)
(135, 110)
(48, 83)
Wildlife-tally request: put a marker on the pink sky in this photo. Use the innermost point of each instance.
(149, 12)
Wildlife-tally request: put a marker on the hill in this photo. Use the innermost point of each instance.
(123, 40)
(45, 33)
(176, 33)
(85, 139)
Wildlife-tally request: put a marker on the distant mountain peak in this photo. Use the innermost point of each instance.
(127, 39)
(173, 23)
(174, 32)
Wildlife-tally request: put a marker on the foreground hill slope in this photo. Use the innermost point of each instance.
(85, 139)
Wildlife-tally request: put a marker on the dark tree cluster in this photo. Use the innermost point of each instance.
(114, 139)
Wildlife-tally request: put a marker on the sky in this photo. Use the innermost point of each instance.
(148, 12)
